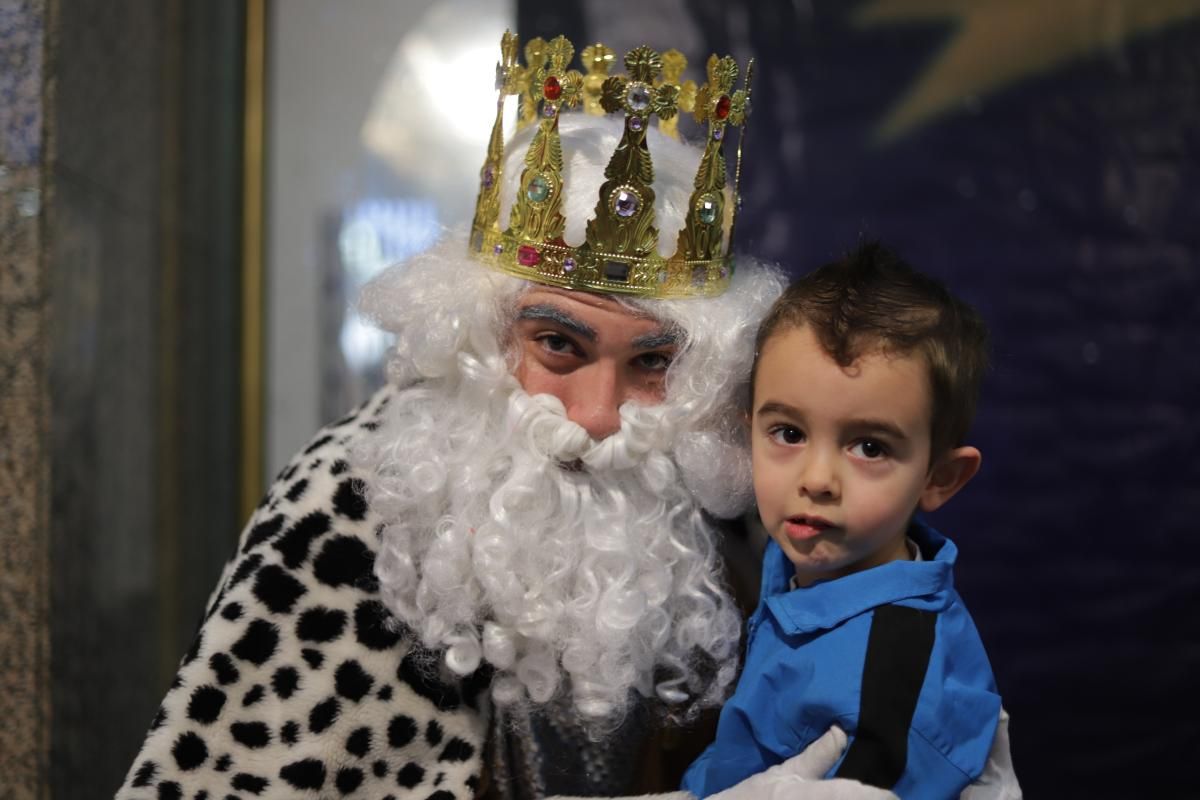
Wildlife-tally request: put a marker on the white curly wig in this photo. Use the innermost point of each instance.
(492, 551)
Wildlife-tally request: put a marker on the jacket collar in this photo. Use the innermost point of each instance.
(829, 603)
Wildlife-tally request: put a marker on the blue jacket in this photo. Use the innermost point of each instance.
(889, 654)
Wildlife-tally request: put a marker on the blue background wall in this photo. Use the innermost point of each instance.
(1064, 202)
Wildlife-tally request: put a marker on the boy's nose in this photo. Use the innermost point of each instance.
(818, 476)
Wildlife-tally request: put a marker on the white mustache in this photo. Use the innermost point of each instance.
(542, 421)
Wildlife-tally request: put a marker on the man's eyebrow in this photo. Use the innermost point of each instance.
(549, 313)
(662, 338)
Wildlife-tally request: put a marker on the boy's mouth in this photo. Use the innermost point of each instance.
(803, 527)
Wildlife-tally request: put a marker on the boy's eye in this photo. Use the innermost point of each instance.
(869, 449)
(785, 434)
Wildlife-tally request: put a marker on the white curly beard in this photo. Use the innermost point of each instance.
(565, 563)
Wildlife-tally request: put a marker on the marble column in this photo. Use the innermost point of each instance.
(24, 406)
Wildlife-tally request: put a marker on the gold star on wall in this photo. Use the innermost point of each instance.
(999, 42)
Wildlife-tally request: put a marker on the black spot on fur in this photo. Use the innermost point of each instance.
(244, 570)
(433, 733)
(346, 561)
(254, 735)
(290, 732)
(258, 643)
(441, 794)
(348, 779)
(232, 612)
(276, 589)
(324, 714)
(457, 750)
(339, 467)
(205, 704)
(262, 532)
(245, 782)
(370, 426)
(410, 775)
(288, 473)
(169, 790)
(189, 751)
(144, 775)
(223, 763)
(401, 730)
(294, 544)
(385, 693)
(358, 743)
(473, 783)
(222, 666)
(352, 681)
(254, 695)
(372, 626)
(349, 500)
(321, 624)
(380, 769)
(202, 795)
(297, 490)
(441, 776)
(318, 444)
(412, 672)
(306, 774)
(314, 658)
(284, 682)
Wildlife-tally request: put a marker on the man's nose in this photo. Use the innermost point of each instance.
(596, 396)
(818, 474)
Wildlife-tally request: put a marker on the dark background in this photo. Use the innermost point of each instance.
(1064, 203)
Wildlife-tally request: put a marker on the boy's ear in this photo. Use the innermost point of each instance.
(949, 474)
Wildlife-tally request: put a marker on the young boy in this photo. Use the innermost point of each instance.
(865, 382)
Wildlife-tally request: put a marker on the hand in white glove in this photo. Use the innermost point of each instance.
(799, 778)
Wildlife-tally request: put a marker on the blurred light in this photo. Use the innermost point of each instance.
(375, 234)
(363, 346)
(378, 232)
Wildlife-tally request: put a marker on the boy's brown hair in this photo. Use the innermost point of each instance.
(871, 300)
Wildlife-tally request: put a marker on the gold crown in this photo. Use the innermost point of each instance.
(620, 251)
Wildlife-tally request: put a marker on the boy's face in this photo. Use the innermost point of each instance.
(841, 455)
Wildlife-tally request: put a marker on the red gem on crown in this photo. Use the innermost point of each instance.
(723, 106)
(528, 256)
(552, 89)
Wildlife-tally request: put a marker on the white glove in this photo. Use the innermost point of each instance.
(800, 777)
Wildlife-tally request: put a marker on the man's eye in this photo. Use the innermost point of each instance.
(869, 449)
(555, 343)
(786, 434)
(653, 362)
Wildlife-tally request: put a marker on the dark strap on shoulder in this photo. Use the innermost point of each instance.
(898, 649)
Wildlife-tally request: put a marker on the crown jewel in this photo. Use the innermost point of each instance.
(620, 250)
